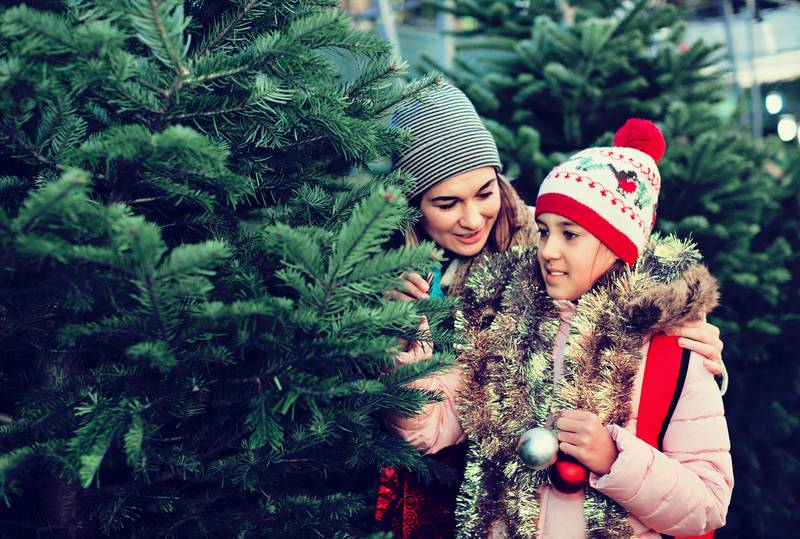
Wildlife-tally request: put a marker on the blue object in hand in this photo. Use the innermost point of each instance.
(435, 291)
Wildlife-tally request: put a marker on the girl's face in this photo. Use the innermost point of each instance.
(571, 258)
(459, 212)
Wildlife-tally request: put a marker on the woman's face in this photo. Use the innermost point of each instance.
(570, 257)
(459, 212)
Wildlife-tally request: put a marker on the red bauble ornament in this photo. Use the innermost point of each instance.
(643, 135)
(567, 474)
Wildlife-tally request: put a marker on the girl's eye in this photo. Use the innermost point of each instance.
(569, 235)
(484, 196)
(446, 206)
(542, 232)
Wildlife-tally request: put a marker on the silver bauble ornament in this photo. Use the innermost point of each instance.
(538, 448)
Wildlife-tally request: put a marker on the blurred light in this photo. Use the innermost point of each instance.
(774, 102)
(787, 127)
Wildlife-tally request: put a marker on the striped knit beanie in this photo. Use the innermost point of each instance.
(447, 138)
(611, 192)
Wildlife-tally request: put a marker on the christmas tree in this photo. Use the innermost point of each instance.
(554, 77)
(194, 340)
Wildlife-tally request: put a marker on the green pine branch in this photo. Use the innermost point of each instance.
(224, 27)
(160, 25)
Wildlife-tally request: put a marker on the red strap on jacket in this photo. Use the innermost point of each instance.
(664, 375)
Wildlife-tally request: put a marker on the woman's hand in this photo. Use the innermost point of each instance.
(701, 337)
(583, 436)
(414, 287)
(416, 349)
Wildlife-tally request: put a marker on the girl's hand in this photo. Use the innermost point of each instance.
(583, 436)
(414, 287)
(703, 338)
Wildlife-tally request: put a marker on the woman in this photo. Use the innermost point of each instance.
(469, 210)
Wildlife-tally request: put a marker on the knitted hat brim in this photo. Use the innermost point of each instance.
(592, 221)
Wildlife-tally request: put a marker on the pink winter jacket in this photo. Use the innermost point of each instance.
(683, 491)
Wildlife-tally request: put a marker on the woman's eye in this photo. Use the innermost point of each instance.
(542, 232)
(446, 206)
(570, 235)
(484, 196)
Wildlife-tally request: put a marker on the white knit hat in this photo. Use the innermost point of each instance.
(611, 192)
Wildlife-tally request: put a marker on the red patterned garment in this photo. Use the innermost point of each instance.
(412, 510)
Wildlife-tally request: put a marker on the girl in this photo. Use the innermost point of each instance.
(567, 350)
(469, 210)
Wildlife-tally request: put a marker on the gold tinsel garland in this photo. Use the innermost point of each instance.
(510, 324)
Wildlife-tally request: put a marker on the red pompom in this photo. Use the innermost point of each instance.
(643, 135)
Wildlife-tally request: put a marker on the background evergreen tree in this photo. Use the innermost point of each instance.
(552, 78)
(193, 339)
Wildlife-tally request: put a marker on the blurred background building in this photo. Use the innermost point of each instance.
(760, 38)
